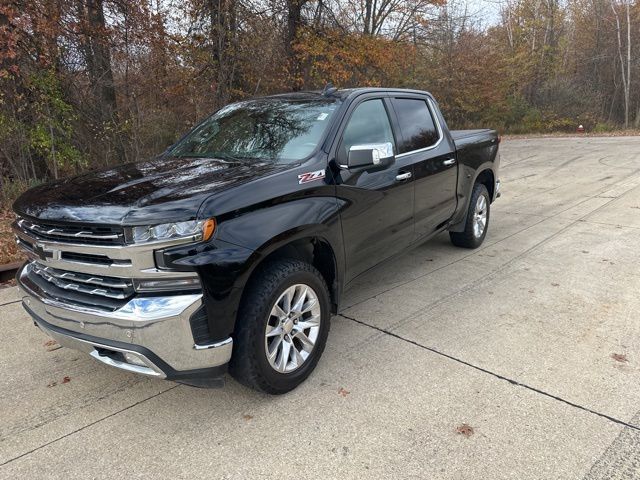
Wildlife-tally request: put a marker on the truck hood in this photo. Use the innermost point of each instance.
(161, 190)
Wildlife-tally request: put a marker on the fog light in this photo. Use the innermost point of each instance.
(134, 359)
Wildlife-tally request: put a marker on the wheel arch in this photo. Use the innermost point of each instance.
(487, 178)
(484, 175)
(309, 247)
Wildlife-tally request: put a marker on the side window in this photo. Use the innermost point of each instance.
(369, 123)
(416, 123)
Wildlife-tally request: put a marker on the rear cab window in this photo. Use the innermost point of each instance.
(417, 124)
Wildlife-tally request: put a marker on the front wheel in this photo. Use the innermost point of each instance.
(477, 222)
(282, 327)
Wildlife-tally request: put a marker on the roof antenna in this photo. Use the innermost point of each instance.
(329, 90)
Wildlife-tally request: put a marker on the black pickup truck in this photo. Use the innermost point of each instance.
(232, 249)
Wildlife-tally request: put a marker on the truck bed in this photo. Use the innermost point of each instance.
(477, 138)
(475, 148)
(462, 135)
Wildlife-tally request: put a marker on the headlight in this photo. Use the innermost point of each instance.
(193, 230)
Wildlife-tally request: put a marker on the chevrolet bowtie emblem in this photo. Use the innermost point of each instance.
(45, 254)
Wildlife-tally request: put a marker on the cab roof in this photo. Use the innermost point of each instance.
(340, 94)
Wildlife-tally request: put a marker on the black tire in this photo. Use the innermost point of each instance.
(468, 237)
(249, 364)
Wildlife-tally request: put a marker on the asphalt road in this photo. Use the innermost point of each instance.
(529, 346)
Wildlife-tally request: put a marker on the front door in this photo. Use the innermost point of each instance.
(377, 219)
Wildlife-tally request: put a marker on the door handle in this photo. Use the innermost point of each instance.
(404, 176)
(448, 163)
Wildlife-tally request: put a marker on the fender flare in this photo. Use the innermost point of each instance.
(291, 237)
(459, 220)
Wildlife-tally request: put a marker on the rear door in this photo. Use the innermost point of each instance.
(377, 220)
(435, 170)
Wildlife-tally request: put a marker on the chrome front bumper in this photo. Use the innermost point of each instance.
(148, 335)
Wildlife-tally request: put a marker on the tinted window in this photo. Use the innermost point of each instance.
(416, 123)
(272, 130)
(369, 123)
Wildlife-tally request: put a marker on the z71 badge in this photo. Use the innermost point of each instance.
(311, 177)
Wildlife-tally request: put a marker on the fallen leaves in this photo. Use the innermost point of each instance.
(8, 283)
(51, 345)
(465, 430)
(619, 357)
(9, 251)
(64, 380)
(343, 392)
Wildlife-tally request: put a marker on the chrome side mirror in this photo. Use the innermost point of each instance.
(370, 154)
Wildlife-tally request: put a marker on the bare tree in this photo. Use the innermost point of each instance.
(223, 37)
(98, 57)
(625, 70)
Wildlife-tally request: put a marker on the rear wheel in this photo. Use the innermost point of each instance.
(477, 222)
(282, 327)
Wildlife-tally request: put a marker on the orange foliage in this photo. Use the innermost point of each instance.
(350, 60)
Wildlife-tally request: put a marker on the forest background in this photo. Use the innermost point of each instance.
(86, 84)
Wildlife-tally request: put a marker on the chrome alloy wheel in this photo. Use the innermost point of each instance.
(292, 328)
(480, 216)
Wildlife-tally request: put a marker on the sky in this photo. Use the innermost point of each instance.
(488, 10)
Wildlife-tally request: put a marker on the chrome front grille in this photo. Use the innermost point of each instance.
(73, 288)
(84, 234)
(115, 288)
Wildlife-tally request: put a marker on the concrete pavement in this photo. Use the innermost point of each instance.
(533, 341)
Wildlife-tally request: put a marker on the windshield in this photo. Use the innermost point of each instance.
(283, 131)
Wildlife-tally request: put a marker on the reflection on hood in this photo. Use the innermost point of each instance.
(154, 191)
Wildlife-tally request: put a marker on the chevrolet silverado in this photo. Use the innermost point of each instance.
(232, 249)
